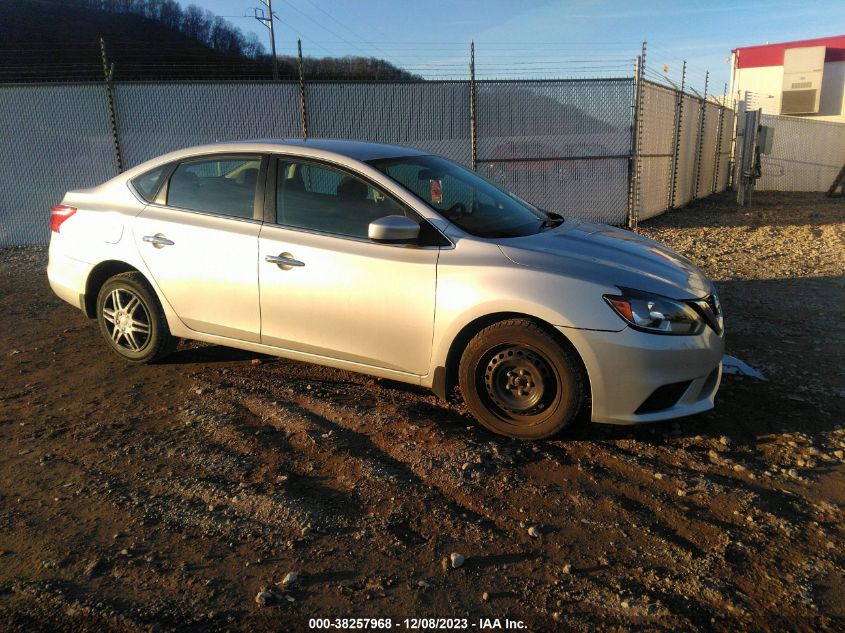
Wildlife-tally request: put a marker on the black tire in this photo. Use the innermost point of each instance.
(132, 321)
(518, 379)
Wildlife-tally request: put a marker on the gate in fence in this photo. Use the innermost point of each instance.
(565, 145)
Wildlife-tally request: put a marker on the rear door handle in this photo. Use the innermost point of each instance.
(285, 261)
(158, 240)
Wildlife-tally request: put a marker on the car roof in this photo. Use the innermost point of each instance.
(339, 150)
(359, 150)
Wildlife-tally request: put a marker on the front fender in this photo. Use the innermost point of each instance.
(474, 282)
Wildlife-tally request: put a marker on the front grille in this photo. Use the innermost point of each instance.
(663, 397)
(711, 310)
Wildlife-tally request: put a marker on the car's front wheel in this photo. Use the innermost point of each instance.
(519, 380)
(132, 320)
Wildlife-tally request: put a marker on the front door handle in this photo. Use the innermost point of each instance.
(158, 240)
(285, 261)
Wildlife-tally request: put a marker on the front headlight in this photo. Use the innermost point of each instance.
(656, 314)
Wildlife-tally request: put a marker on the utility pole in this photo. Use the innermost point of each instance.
(267, 20)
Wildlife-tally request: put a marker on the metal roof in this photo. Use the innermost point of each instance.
(772, 54)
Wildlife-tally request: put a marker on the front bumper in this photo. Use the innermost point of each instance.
(627, 367)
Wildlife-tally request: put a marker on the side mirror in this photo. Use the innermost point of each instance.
(393, 229)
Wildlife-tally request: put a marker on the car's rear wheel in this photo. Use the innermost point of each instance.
(132, 320)
(519, 380)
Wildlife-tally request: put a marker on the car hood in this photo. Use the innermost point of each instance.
(615, 257)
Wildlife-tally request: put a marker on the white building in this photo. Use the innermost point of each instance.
(804, 78)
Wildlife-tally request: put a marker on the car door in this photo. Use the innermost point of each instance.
(336, 293)
(199, 239)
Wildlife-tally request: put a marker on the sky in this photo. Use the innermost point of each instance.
(540, 38)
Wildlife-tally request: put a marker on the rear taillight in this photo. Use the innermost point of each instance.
(59, 214)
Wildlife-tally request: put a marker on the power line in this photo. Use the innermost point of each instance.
(325, 28)
(336, 21)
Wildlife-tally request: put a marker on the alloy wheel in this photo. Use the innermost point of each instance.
(127, 320)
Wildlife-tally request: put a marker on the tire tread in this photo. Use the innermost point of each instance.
(165, 343)
(565, 355)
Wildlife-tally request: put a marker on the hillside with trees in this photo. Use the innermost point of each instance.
(48, 40)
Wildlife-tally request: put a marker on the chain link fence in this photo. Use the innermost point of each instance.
(565, 145)
(656, 149)
(724, 150)
(53, 138)
(680, 155)
(153, 119)
(806, 155)
(431, 116)
(687, 151)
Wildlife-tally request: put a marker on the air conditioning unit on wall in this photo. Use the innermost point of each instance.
(803, 69)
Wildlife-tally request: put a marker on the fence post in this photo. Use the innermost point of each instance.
(676, 141)
(733, 148)
(634, 162)
(108, 71)
(473, 129)
(717, 159)
(700, 155)
(303, 112)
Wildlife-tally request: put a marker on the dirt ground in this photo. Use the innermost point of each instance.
(167, 497)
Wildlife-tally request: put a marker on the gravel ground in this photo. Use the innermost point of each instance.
(180, 496)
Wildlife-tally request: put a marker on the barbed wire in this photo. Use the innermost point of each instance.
(444, 60)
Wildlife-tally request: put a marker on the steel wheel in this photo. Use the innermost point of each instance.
(519, 380)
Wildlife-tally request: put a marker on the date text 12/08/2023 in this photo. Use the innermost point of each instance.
(444, 624)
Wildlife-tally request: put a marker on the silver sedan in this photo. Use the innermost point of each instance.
(396, 263)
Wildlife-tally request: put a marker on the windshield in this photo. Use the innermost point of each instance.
(463, 197)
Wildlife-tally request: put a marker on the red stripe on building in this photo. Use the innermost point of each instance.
(772, 54)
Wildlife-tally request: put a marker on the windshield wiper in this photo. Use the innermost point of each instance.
(552, 220)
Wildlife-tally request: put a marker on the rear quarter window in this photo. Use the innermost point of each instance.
(147, 185)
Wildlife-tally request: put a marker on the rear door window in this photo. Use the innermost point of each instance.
(220, 185)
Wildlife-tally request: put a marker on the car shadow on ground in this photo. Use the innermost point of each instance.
(191, 353)
(772, 324)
